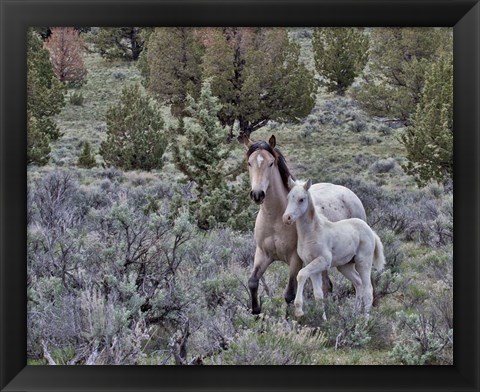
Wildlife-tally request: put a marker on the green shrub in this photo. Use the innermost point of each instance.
(273, 342)
(422, 340)
(77, 98)
(136, 137)
(201, 152)
(344, 327)
(86, 158)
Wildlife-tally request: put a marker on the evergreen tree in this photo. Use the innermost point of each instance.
(255, 72)
(86, 158)
(399, 58)
(173, 59)
(200, 152)
(429, 140)
(340, 54)
(119, 42)
(45, 98)
(38, 146)
(258, 77)
(136, 136)
(66, 50)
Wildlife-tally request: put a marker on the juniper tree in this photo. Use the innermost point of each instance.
(45, 98)
(136, 136)
(258, 77)
(399, 57)
(119, 42)
(86, 158)
(173, 61)
(255, 72)
(66, 54)
(429, 140)
(200, 152)
(340, 55)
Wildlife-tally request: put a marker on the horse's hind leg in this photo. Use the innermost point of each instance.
(326, 283)
(348, 270)
(364, 268)
(260, 264)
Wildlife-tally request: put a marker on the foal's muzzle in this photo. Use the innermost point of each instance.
(257, 196)
(287, 219)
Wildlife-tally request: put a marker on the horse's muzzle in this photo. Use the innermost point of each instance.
(287, 219)
(257, 196)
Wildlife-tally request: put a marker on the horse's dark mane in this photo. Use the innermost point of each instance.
(281, 162)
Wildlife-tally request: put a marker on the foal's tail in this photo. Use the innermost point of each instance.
(378, 256)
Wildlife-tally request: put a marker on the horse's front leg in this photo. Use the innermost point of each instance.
(260, 264)
(315, 267)
(295, 264)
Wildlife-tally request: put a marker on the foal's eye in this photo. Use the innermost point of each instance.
(270, 165)
(249, 164)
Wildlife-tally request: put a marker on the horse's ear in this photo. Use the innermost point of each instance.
(291, 182)
(308, 184)
(272, 141)
(247, 142)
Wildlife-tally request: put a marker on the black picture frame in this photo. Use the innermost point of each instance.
(17, 15)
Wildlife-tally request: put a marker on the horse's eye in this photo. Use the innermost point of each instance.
(271, 164)
(249, 164)
(300, 201)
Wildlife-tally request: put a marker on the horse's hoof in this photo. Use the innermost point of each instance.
(256, 310)
(289, 298)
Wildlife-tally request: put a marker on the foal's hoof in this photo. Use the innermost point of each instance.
(256, 310)
(299, 312)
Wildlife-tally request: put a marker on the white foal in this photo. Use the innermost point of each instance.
(347, 245)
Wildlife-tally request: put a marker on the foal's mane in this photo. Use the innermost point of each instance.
(279, 158)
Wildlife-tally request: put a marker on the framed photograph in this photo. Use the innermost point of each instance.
(151, 176)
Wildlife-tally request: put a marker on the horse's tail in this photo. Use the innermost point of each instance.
(378, 256)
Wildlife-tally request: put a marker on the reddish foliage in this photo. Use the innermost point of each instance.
(66, 54)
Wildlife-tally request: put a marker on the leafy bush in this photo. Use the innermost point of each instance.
(383, 165)
(422, 341)
(274, 343)
(344, 326)
(358, 126)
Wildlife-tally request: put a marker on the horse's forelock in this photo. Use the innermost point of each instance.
(281, 162)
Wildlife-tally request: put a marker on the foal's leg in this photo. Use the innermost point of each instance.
(319, 290)
(260, 264)
(316, 266)
(348, 270)
(364, 268)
